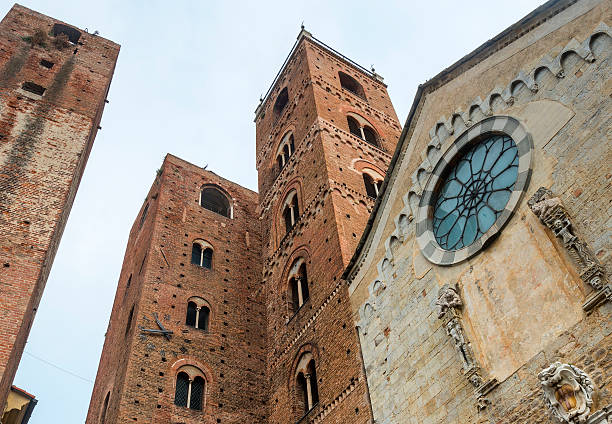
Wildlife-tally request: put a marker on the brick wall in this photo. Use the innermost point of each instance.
(45, 141)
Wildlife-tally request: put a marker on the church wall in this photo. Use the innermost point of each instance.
(522, 295)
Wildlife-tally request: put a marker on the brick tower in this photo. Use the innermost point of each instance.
(193, 262)
(325, 132)
(54, 80)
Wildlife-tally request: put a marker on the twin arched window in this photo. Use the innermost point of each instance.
(307, 392)
(215, 200)
(361, 128)
(350, 84)
(201, 254)
(198, 313)
(190, 388)
(298, 285)
(285, 150)
(372, 185)
(291, 210)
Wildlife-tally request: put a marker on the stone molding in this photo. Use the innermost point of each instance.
(441, 135)
(327, 409)
(568, 392)
(603, 416)
(553, 214)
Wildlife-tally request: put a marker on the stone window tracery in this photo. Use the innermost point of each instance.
(473, 190)
(198, 313)
(202, 254)
(190, 388)
(360, 127)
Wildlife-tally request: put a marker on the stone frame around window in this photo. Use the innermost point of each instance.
(489, 126)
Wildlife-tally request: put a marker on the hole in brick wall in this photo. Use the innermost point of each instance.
(221, 375)
(220, 405)
(6, 265)
(160, 390)
(161, 374)
(47, 64)
(33, 88)
(222, 348)
(158, 406)
(72, 34)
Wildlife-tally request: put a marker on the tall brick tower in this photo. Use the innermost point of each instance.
(193, 267)
(54, 80)
(325, 132)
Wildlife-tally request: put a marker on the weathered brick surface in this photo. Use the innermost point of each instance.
(139, 369)
(44, 145)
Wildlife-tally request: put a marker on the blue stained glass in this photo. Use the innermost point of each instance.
(475, 192)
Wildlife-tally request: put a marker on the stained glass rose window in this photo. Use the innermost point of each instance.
(475, 191)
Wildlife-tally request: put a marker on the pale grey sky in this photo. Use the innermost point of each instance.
(187, 82)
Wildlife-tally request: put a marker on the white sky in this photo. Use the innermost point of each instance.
(188, 79)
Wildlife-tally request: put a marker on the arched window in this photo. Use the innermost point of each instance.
(285, 150)
(215, 200)
(372, 185)
(361, 128)
(201, 254)
(307, 390)
(291, 210)
(298, 285)
(349, 83)
(198, 313)
(281, 101)
(190, 388)
(104, 408)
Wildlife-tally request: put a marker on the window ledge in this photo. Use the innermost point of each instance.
(307, 414)
(297, 312)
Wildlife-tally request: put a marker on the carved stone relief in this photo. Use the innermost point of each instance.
(568, 392)
(449, 303)
(549, 208)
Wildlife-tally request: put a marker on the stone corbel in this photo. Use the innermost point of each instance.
(449, 304)
(549, 208)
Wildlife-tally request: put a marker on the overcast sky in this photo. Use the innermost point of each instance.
(188, 80)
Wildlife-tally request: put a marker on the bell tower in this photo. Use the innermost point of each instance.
(326, 130)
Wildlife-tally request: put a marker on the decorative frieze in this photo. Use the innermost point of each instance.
(549, 208)
(568, 392)
(449, 304)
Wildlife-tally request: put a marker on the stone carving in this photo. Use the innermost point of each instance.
(549, 208)
(448, 297)
(568, 392)
(449, 303)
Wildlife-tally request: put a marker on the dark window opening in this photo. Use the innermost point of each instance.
(46, 64)
(39, 90)
(372, 187)
(215, 201)
(197, 390)
(197, 317)
(307, 388)
(129, 321)
(291, 213)
(72, 34)
(192, 309)
(298, 289)
(144, 215)
(281, 101)
(129, 281)
(349, 83)
(104, 408)
(182, 389)
(354, 126)
(201, 256)
(370, 136)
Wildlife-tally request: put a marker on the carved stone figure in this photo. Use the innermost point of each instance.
(549, 208)
(568, 392)
(448, 297)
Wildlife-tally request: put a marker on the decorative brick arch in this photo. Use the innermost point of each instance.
(361, 166)
(190, 360)
(306, 348)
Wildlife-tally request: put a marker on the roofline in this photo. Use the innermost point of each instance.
(433, 84)
(305, 35)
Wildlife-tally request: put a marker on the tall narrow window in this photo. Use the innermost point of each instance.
(144, 215)
(298, 285)
(129, 321)
(349, 83)
(372, 185)
(198, 313)
(190, 388)
(307, 390)
(291, 211)
(201, 254)
(104, 408)
(281, 101)
(216, 201)
(285, 150)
